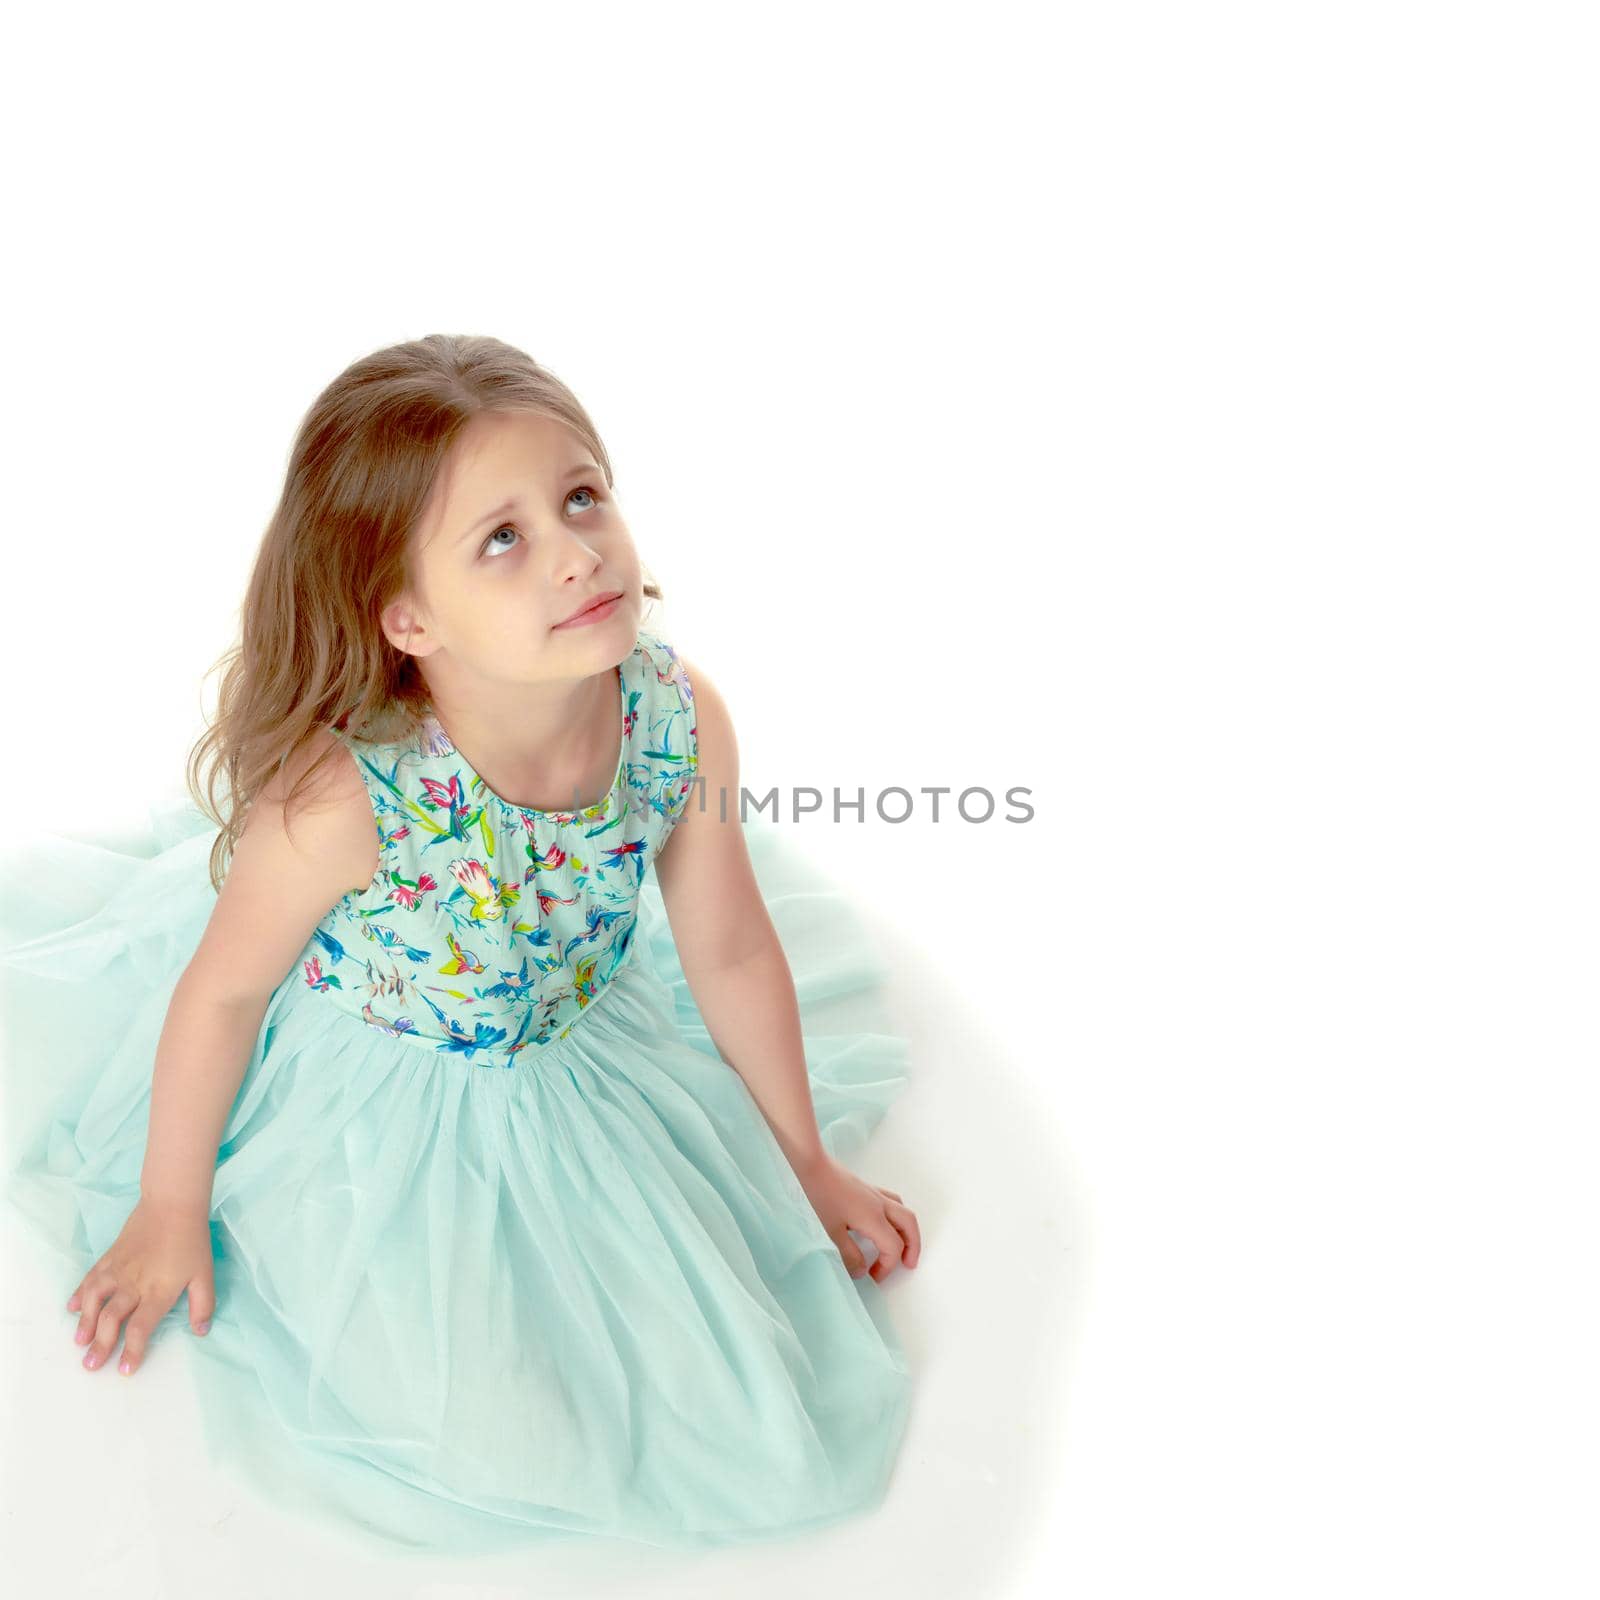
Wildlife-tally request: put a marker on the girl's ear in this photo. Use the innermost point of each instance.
(404, 629)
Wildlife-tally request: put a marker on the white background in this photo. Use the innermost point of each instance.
(1187, 413)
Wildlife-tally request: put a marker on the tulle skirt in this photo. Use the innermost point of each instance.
(460, 1309)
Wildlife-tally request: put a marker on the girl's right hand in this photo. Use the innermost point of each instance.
(161, 1251)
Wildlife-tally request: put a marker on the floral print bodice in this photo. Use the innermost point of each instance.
(489, 927)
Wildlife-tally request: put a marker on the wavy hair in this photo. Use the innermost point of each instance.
(310, 651)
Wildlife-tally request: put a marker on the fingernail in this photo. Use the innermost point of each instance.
(204, 1326)
(92, 1359)
(124, 1367)
(81, 1336)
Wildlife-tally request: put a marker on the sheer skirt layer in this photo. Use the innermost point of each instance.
(463, 1303)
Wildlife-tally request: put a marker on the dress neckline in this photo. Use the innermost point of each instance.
(597, 808)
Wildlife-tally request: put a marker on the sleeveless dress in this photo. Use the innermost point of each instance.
(504, 1250)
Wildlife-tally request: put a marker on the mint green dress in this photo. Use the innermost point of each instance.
(504, 1250)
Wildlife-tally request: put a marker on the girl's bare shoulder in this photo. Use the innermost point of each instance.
(296, 857)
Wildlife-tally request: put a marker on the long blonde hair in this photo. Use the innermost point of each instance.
(338, 549)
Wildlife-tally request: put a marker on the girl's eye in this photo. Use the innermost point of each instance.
(507, 528)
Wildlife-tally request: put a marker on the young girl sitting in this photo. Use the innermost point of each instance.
(512, 1205)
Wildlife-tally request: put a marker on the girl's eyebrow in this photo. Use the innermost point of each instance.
(580, 469)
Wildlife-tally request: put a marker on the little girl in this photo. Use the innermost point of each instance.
(470, 1107)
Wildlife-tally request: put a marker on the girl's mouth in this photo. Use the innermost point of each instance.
(595, 611)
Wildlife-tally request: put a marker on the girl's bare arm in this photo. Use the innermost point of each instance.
(739, 976)
(278, 887)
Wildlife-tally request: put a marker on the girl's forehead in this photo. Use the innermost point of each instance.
(495, 440)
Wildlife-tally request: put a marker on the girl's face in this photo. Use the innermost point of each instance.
(519, 533)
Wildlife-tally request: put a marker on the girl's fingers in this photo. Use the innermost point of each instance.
(108, 1326)
(855, 1262)
(91, 1296)
(140, 1326)
(905, 1223)
(905, 1220)
(886, 1240)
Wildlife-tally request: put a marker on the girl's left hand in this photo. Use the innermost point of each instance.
(844, 1201)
